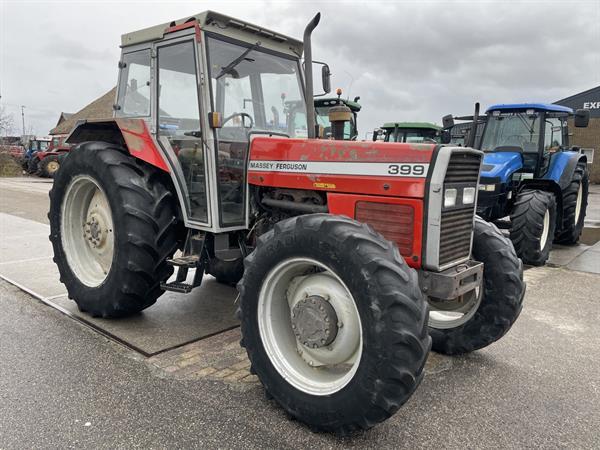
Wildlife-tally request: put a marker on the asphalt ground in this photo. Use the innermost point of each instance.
(63, 385)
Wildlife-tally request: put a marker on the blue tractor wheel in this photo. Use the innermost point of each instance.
(575, 199)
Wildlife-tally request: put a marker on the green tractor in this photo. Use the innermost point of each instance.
(323, 108)
(412, 132)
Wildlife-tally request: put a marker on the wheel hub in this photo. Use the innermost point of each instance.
(314, 322)
(95, 230)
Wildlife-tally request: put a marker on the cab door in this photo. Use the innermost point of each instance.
(178, 126)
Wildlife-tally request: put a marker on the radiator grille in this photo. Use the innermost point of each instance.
(457, 224)
(463, 168)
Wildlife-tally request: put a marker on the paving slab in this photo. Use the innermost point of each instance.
(176, 319)
(586, 262)
(561, 255)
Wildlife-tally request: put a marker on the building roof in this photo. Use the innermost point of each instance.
(63, 116)
(412, 125)
(101, 108)
(540, 106)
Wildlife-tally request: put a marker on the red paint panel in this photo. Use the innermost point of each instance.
(140, 143)
(283, 149)
(183, 26)
(393, 208)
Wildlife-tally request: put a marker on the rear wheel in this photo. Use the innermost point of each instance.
(112, 225)
(32, 165)
(575, 199)
(333, 321)
(48, 166)
(481, 317)
(533, 221)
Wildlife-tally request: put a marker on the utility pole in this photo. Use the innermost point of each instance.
(23, 118)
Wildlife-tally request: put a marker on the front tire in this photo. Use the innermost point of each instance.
(575, 200)
(497, 306)
(533, 221)
(317, 276)
(226, 272)
(112, 227)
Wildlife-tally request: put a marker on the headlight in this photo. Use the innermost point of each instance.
(487, 187)
(468, 196)
(449, 197)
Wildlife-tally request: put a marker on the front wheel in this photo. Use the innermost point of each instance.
(533, 221)
(48, 166)
(481, 317)
(333, 322)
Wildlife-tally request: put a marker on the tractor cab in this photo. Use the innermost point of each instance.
(323, 108)
(38, 144)
(412, 132)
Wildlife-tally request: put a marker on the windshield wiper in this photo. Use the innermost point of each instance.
(229, 67)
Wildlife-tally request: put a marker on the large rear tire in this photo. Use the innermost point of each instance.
(533, 221)
(333, 322)
(112, 227)
(484, 316)
(32, 165)
(575, 200)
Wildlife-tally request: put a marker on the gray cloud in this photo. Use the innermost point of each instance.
(407, 60)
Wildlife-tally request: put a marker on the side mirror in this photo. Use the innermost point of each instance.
(582, 118)
(446, 136)
(448, 121)
(326, 78)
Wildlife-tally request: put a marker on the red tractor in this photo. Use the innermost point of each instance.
(352, 258)
(44, 155)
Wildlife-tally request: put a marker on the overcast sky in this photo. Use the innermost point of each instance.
(413, 60)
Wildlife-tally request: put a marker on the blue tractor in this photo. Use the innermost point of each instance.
(531, 174)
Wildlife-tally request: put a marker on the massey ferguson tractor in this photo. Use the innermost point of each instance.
(355, 257)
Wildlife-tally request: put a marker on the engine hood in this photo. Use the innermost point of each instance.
(501, 165)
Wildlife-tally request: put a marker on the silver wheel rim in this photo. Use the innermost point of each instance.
(87, 230)
(578, 204)
(315, 371)
(544, 237)
(444, 315)
(52, 166)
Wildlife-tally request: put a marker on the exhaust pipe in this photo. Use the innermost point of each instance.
(473, 132)
(308, 75)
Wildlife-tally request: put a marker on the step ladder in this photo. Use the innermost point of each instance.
(197, 261)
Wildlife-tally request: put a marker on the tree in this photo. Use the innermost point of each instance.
(6, 122)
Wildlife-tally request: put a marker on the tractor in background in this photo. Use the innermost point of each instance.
(44, 155)
(531, 174)
(323, 108)
(414, 132)
(356, 257)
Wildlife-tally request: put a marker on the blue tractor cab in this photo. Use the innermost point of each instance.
(531, 174)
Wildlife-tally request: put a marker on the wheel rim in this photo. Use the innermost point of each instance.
(545, 230)
(578, 204)
(305, 287)
(445, 314)
(87, 231)
(52, 166)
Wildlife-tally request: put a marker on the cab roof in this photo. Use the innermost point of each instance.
(218, 23)
(419, 125)
(539, 106)
(332, 101)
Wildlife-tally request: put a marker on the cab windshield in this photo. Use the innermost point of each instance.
(420, 136)
(512, 129)
(253, 90)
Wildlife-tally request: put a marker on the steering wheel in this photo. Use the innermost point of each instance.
(227, 119)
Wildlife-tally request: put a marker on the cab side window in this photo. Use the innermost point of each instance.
(134, 88)
(553, 135)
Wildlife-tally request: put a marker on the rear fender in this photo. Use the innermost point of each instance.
(562, 167)
(132, 134)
